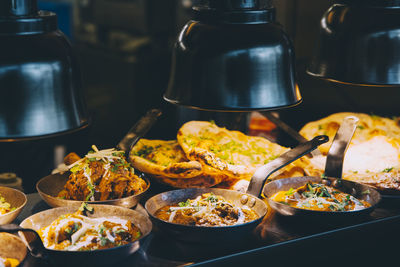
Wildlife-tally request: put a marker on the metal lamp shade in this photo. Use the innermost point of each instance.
(359, 43)
(233, 65)
(40, 85)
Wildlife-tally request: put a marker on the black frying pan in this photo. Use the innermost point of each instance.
(205, 234)
(333, 171)
(29, 227)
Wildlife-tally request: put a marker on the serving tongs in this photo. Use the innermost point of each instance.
(332, 177)
(49, 186)
(289, 130)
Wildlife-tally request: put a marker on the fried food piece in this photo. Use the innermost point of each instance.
(102, 176)
(71, 158)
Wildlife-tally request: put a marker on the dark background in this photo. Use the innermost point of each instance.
(124, 49)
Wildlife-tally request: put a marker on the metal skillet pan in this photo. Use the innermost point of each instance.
(205, 234)
(333, 172)
(49, 186)
(29, 227)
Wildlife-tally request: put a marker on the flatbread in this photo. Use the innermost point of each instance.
(208, 178)
(368, 127)
(163, 158)
(373, 156)
(229, 152)
(166, 162)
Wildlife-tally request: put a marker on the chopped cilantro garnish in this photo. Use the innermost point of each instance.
(290, 192)
(120, 231)
(84, 207)
(212, 198)
(103, 241)
(375, 117)
(184, 204)
(388, 169)
(137, 234)
(366, 192)
(91, 191)
(102, 229)
(144, 151)
(75, 169)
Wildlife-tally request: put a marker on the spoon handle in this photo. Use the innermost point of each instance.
(337, 151)
(263, 172)
(138, 131)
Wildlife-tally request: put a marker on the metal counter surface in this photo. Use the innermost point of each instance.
(277, 239)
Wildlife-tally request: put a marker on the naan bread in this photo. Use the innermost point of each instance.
(163, 158)
(166, 162)
(368, 127)
(229, 152)
(373, 156)
(208, 178)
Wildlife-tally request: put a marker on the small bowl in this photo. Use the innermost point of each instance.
(17, 200)
(12, 246)
(49, 187)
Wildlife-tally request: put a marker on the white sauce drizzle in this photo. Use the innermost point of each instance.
(80, 239)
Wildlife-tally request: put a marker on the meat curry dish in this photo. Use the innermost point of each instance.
(101, 175)
(206, 210)
(319, 197)
(77, 232)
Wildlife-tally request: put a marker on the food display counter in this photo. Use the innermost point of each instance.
(277, 239)
(210, 195)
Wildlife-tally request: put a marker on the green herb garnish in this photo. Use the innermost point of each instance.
(184, 204)
(290, 192)
(212, 198)
(388, 169)
(85, 207)
(366, 192)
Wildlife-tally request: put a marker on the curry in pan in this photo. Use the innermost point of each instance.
(206, 210)
(319, 197)
(77, 232)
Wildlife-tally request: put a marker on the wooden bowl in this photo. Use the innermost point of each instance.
(17, 200)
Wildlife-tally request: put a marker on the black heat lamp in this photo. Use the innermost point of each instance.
(233, 56)
(40, 84)
(359, 43)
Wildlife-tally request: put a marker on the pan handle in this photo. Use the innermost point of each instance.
(337, 151)
(35, 246)
(263, 172)
(138, 131)
(289, 130)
